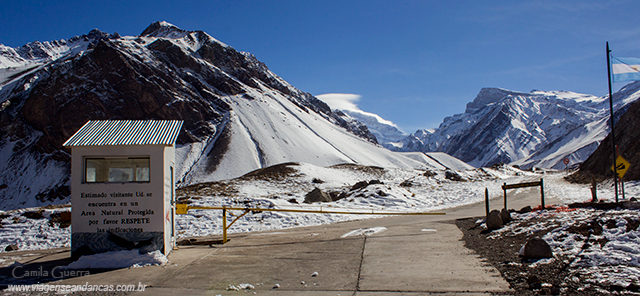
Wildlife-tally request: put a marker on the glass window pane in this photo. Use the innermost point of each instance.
(117, 169)
(94, 169)
(120, 174)
(91, 174)
(142, 174)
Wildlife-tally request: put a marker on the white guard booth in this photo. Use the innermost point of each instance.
(122, 186)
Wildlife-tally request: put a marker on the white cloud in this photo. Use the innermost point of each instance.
(341, 101)
(348, 102)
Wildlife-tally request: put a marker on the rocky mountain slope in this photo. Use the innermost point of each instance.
(238, 115)
(627, 135)
(536, 129)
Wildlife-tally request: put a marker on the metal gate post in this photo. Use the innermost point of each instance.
(224, 225)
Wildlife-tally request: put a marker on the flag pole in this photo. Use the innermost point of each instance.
(613, 135)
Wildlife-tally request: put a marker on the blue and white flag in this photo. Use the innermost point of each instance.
(625, 69)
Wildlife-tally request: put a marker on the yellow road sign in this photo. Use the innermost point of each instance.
(622, 165)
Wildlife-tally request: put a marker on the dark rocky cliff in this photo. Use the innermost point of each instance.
(627, 135)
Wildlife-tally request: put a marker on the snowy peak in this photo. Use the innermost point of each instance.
(628, 94)
(17, 62)
(384, 130)
(51, 50)
(37, 52)
(189, 41)
(163, 29)
(539, 128)
(489, 96)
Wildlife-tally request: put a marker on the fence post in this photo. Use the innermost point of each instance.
(594, 185)
(542, 193)
(486, 200)
(504, 188)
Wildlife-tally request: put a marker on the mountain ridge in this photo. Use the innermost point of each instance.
(535, 129)
(238, 115)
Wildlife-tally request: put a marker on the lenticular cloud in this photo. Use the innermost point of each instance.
(347, 102)
(341, 101)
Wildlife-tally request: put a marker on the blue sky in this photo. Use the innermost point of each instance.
(411, 62)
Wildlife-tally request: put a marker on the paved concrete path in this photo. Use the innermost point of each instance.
(415, 255)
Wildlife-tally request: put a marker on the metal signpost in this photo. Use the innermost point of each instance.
(621, 167)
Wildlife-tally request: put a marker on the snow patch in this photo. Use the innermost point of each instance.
(119, 259)
(364, 232)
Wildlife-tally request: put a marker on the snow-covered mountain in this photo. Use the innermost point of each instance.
(536, 129)
(386, 132)
(238, 115)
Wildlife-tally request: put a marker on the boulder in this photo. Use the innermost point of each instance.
(317, 195)
(34, 215)
(453, 176)
(406, 183)
(337, 195)
(363, 184)
(505, 216)
(65, 216)
(494, 221)
(10, 248)
(537, 248)
(524, 210)
(359, 185)
(429, 173)
(534, 282)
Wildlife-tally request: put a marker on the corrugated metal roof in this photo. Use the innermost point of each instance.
(126, 132)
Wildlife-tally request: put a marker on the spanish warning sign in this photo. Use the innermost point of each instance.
(622, 165)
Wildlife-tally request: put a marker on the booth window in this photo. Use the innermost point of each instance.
(119, 170)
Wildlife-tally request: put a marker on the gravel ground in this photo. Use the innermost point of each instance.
(551, 277)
